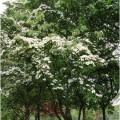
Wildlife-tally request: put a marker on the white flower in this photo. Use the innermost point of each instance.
(75, 49)
(81, 82)
(69, 43)
(58, 88)
(79, 46)
(94, 57)
(51, 76)
(106, 75)
(47, 59)
(84, 57)
(7, 94)
(60, 48)
(87, 40)
(55, 80)
(93, 91)
(63, 68)
(102, 60)
(44, 79)
(70, 80)
(89, 57)
(37, 76)
(52, 84)
(90, 80)
(99, 95)
(18, 81)
(45, 66)
(87, 85)
(89, 63)
(73, 70)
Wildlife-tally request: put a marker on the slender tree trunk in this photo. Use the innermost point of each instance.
(27, 117)
(35, 117)
(54, 103)
(67, 111)
(68, 114)
(38, 113)
(27, 114)
(80, 109)
(57, 114)
(60, 108)
(84, 114)
(103, 112)
(35, 114)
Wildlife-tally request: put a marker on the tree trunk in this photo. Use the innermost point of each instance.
(80, 109)
(27, 117)
(103, 112)
(67, 111)
(54, 103)
(84, 115)
(38, 113)
(27, 114)
(60, 108)
(35, 117)
(57, 114)
(68, 114)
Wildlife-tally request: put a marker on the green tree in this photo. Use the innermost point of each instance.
(62, 50)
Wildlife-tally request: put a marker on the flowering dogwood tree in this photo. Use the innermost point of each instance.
(57, 52)
(53, 61)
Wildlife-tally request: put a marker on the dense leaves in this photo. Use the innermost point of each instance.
(63, 52)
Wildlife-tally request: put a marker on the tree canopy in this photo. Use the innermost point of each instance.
(62, 52)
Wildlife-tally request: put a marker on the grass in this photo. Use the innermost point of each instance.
(90, 115)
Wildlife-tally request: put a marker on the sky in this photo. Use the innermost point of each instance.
(2, 6)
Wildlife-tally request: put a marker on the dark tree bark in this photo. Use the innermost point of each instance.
(104, 113)
(27, 114)
(57, 114)
(35, 117)
(68, 114)
(80, 109)
(84, 114)
(38, 113)
(39, 116)
(54, 102)
(61, 110)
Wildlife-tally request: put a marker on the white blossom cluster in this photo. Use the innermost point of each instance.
(31, 41)
(42, 7)
(13, 70)
(43, 60)
(80, 47)
(55, 39)
(58, 88)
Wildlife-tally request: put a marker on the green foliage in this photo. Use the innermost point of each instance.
(59, 51)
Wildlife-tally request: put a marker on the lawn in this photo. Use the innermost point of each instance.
(90, 115)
